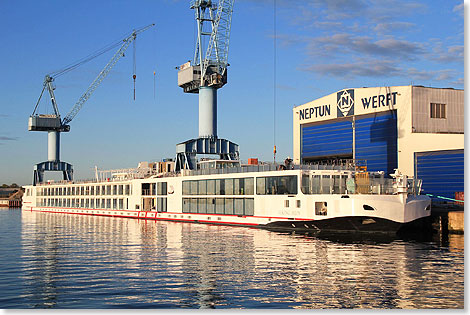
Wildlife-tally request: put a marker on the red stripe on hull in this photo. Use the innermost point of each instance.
(153, 218)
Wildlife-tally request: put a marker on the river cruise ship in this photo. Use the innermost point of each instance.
(309, 198)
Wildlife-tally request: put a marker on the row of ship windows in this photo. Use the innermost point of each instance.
(86, 190)
(108, 203)
(270, 185)
(235, 206)
(326, 184)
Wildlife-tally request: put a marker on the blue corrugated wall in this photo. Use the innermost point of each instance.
(442, 172)
(376, 141)
(327, 140)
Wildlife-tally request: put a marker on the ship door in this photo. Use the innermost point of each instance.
(148, 204)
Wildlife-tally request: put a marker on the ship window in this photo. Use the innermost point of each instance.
(193, 190)
(238, 206)
(161, 204)
(249, 206)
(337, 187)
(186, 205)
(210, 205)
(108, 189)
(238, 186)
(229, 186)
(127, 191)
(286, 203)
(276, 185)
(68, 203)
(162, 189)
(305, 185)
(92, 203)
(108, 202)
(114, 189)
(261, 186)
(82, 203)
(87, 190)
(249, 186)
(92, 190)
(321, 208)
(120, 189)
(298, 203)
(220, 187)
(202, 187)
(87, 203)
(325, 184)
(145, 189)
(114, 204)
(186, 188)
(316, 187)
(228, 205)
(211, 187)
(194, 205)
(121, 204)
(219, 205)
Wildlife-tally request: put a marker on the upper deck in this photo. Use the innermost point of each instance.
(340, 178)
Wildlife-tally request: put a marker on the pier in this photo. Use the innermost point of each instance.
(11, 197)
(448, 219)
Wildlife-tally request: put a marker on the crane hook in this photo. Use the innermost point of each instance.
(134, 76)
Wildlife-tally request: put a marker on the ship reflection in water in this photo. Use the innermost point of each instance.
(73, 261)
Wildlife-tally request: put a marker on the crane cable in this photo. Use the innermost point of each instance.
(134, 76)
(84, 60)
(274, 84)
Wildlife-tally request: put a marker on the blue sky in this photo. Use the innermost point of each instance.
(322, 46)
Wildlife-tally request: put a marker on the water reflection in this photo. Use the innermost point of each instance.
(72, 261)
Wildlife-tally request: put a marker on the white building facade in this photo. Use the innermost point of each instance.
(419, 130)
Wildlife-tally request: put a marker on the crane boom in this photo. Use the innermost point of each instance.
(127, 41)
(53, 123)
(219, 40)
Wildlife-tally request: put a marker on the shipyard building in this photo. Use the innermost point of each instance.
(417, 129)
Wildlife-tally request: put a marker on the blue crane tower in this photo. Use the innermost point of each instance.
(205, 75)
(53, 123)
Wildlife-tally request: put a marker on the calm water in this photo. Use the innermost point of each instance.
(70, 261)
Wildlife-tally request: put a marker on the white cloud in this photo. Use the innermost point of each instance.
(459, 8)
